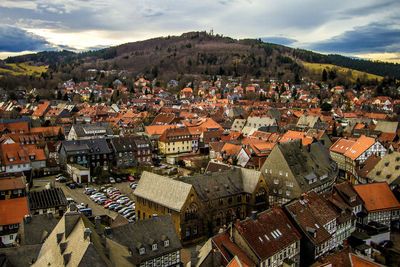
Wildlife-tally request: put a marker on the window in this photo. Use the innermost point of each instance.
(154, 247)
(142, 251)
(166, 243)
(187, 231)
(280, 172)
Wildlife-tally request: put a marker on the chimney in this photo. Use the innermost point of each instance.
(49, 214)
(97, 221)
(276, 207)
(254, 215)
(194, 258)
(107, 231)
(309, 147)
(345, 243)
(87, 234)
(28, 218)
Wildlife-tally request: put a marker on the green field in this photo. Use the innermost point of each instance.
(22, 69)
(317, 68)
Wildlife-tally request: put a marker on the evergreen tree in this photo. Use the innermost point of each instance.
(324, 76)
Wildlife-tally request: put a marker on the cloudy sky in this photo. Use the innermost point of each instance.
(363, 28)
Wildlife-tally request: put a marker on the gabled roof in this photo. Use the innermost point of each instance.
(359, 147)
(163, 190)
(386, 169)
(145, 233)
(377, 197)
(271, 232)
(11, 183)
(228, 248)
(342, 145)
(13, 210)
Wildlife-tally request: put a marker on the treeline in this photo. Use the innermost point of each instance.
(373, 67)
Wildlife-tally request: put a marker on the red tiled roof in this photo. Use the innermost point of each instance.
(359, 147)
(13, 210)
(11, 183)
(227, 248)
(341, 145)
(270, 233)
(377, 197)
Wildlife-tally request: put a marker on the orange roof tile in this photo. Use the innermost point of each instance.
(377, 197)
(359, 147)
(158, 129)
(341, 145)
(12, 211)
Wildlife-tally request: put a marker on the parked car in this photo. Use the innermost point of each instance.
(61, 180)
(131, 179)
(112, 181)
(118, 208)
(79, 185)
(118, 180)
(72, 186)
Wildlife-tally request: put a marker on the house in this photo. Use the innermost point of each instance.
(89, 131)
(235, 154)
(150, 242)
(34, 229)
(238, 125)
(12, 185)
(50, 200)
(386, 170)
(379, 204)
(73, 242)
(257, 122)
(359, 152)
(14, 158)
(268, 238)
(12, 211)
(306, 122)
(88, 153)
(176, 141)
(41, 110)
(292, 169)
(317, 221)
(79, 174)
(213, 199)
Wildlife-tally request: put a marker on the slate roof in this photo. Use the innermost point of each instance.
(387, 169)
(387, 126)
(47, 198)
(35, 229)
(308, 161)
(91, 146)
(145, 233)
(83, 130)
(67, 243)
(271, 232)
(163, 190)
(19, 256)
(221, 184)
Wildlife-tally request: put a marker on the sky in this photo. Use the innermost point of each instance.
(359, 28)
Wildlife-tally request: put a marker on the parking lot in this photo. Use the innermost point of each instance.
(79, 196)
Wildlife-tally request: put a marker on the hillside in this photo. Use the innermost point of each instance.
(21, 69)
(199, 54)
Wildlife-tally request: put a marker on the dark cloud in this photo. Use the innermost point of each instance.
(13, 39)
(372, 38)
(371, 9)
(278, 40)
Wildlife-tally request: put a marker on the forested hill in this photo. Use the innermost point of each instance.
(202, 53)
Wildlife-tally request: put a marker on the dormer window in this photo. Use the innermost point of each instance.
(166, 243)
(154, 247)
(142, 251)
